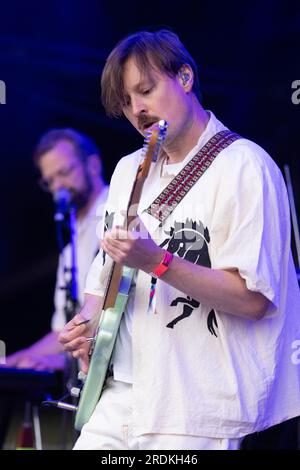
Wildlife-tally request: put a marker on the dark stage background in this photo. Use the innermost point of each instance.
(51, 56)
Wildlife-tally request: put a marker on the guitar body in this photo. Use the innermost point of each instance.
(105, 340)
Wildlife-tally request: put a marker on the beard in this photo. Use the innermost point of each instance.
(80, 198)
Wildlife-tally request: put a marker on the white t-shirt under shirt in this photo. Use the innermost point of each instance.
(87, 247)
(196, 370)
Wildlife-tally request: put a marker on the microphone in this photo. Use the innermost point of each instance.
(62, 198)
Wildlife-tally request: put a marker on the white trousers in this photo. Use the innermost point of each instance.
(110, 428)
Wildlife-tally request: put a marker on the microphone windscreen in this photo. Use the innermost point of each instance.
(62, 195)
(62, 199)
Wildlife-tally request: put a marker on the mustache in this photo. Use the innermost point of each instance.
(146, 121)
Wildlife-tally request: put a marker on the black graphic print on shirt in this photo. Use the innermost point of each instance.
(189, 240)
(108, 223)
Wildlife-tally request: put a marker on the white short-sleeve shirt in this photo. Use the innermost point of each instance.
(196, 370)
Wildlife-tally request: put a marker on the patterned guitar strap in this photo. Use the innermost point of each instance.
(181, 184)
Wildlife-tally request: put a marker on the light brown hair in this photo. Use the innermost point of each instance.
(161, 49)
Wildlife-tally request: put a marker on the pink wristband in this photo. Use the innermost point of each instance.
(163, 265)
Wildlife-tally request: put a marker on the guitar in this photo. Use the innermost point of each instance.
(116, 293)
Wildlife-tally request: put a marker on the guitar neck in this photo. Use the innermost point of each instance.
(116, 269)
(113, 286)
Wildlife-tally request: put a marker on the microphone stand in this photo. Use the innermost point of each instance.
(293, 211)
(295, 228)
(72, 285)
(71, 297)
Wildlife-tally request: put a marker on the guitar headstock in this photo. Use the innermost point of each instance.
(153, 140)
